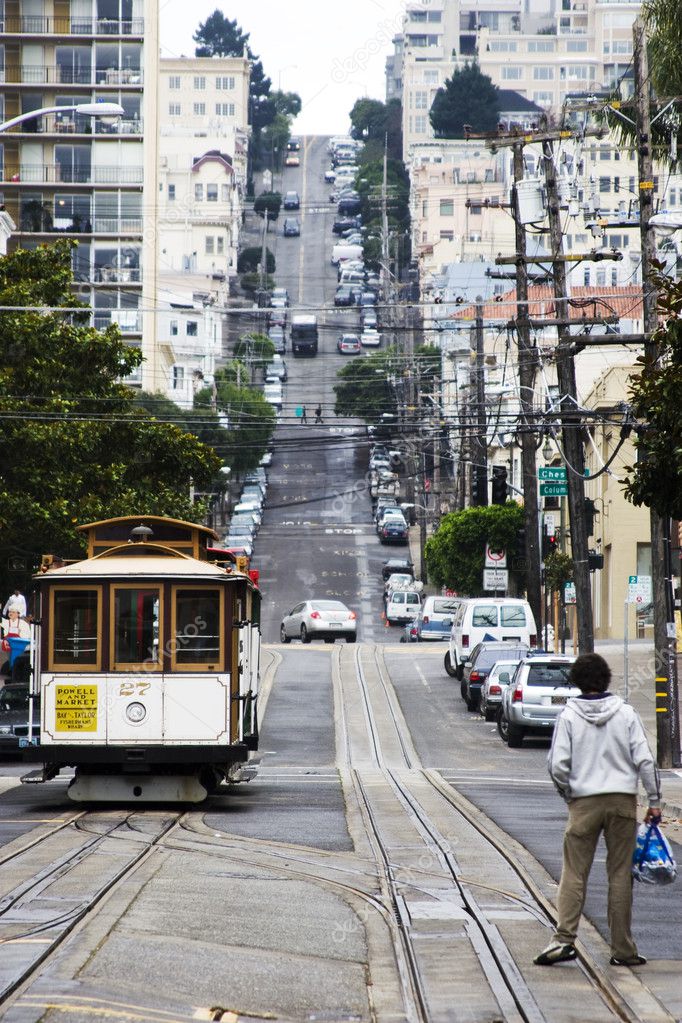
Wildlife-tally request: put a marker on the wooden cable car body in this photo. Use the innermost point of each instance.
(146, 664)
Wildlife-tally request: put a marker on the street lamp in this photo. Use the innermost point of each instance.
(87, 109)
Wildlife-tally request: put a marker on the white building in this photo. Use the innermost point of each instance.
(203, 149)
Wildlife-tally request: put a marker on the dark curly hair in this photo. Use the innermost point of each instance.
(590, 673)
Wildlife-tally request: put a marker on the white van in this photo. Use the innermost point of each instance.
(402, 606)
(341, 252)
(484, 619)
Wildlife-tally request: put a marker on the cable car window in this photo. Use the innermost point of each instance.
(136, 626)
(197, 626)
(75, 635)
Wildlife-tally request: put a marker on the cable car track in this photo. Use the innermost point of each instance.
(403, 774)
(22, 901)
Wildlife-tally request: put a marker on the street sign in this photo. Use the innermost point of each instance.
(639, 589)
(553, 489)
(552, 472)
(495, 558)
(550, 524)
(495, 579)
(569, 593)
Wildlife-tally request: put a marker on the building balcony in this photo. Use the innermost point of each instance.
(44, 25)
(129, 321)
(64, 124)
(57, 173)
(59, 74)
(117, 275)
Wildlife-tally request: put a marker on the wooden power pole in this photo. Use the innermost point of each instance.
(570, 416)
(667, 716)
(528, 362)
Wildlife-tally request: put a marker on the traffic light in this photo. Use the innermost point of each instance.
(594, 560)
(474, 487)
(590, 512)
(550, 544)
(521, 540)
(499, 484)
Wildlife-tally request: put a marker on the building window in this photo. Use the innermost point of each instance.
(199, 193)
(174, 328)
(225, 193)
(171, 193)
(601, 278)
(614, 278)
(476, 211)
(447, 236)
(605, 185)
(502, 46)
(224, 82)
(220, 245)
(420, 125)
(541, 46)
(447, 207)
(199, 82)
(199, 109)
(576, 45)
(543, 73)
(586, 278)
(211, 193)
(178, 377)
(542, 98)
(192, 329)
(430, 77)
(209, 245)
(604, 153)
(224, 109)
(174, 81)
(512, 73)
(421, 99)
(174, 109)
(616, 184)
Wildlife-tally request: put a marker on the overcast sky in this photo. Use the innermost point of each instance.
(339, 49)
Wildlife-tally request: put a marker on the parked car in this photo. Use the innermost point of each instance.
(291, 201)
(410, 633)
(292, 160)
(277, 368)
(397, 565)
(394, 530)
(480, 619)
(291, 228)
(368, 318)
(319, 619)
(370, 338)
(535, 697)
(277, 317)
(349, 344)
(493, 687)
(281, 294)
(391, 512)
(344, 295)
(240, 546)
(276, 335)
(435, 618)
(251, 508)
(402, 606)
(272, 392)
(477, 666)
(342, 224)
(14, 706)
(330, 175)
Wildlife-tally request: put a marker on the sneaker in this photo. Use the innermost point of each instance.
(555, 953)
(630, 961)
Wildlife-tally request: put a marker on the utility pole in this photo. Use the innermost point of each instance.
(574, 455)
(385, 258)
(528, 362)
(479, 469)
(666, 683)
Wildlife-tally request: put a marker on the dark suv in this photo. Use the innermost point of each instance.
(478, 665)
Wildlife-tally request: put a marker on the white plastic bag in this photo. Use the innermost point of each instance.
(652, 862)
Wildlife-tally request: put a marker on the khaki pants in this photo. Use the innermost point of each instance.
(616, 815)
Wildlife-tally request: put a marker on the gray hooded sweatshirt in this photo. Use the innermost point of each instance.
(599, 746)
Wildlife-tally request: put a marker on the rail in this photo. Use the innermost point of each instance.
(44, 25)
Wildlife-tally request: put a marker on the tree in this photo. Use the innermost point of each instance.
(275, 138)
(249, 259)
(220, 37)
(378, 125)
(287, 103)
(250, 419)
(268, 203)
(254, 350)
(664, 30)
(469, 97)
(76, 448)
(365, 390)
(455, 554)
(656, 478)
(368, 119)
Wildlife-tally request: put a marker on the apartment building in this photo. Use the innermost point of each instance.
(80, 176)
(544, 51)
(203, 148)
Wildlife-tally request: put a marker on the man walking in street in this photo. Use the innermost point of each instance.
(304, 417)
(599, 754)
(318, 414)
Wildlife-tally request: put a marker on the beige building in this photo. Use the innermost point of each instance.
(203, 147)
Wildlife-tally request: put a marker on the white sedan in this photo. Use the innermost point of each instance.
(319, 619)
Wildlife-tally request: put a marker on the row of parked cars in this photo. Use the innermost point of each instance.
(247, 514)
